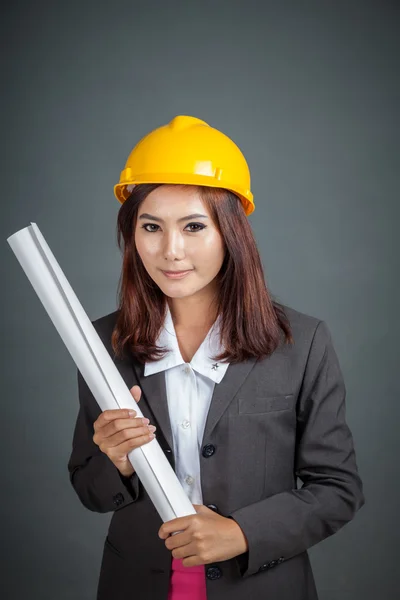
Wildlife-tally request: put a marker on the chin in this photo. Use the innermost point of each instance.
(171, 293)
(177, 289)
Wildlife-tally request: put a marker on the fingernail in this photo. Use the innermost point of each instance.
(152, 428)
(131, 413)
(145, 421)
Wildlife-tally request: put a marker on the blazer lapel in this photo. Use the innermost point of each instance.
(224, 393)
(154, 389)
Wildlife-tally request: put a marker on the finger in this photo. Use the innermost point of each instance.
(186, 551)
(136, 392)
(126, 435)
(200, 508)
(179, 524)
(193, 561)
(110, 415)
(181, 538)
(122, 450)
(120, 424)
(117, 426)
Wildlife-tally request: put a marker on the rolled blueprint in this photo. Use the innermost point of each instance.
(96, 365)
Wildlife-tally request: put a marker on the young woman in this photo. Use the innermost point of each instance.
(246, 394)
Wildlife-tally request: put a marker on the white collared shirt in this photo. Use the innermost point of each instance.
(189, 391)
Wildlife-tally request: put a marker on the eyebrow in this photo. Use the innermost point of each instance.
(194, 216)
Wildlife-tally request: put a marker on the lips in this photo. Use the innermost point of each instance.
(176, 272)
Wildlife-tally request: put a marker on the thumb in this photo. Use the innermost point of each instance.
(136, 392)
(200, 508)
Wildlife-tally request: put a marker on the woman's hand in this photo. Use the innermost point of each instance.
(117, 433)
(203, 538)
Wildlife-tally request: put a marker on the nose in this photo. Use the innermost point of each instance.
(173, 246)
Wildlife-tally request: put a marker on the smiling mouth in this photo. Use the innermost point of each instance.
(173, 272)
(176, 274)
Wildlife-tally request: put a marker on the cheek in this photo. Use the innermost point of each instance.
(212, 251)
(146, 247)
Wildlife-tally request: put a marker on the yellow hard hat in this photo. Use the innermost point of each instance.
(187, 151)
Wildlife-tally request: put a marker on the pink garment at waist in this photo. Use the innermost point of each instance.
(187, 582)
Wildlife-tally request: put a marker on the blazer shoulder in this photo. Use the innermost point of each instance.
(300, 319)
(307, 328)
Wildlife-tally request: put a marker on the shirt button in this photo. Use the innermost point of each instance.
(185, 424)
(189, 480)
(187, 370)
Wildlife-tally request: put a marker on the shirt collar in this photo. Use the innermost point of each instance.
(201, 361)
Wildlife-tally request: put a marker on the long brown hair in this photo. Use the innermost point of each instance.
(252, 323)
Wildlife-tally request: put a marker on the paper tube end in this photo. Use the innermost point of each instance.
(11, 238)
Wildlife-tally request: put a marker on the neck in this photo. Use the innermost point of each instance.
(193, 313)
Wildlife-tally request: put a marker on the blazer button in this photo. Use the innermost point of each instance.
(280, 560)
(212, 507)
(213, 573)
(118, 499)
(263, 568)
(208, 450)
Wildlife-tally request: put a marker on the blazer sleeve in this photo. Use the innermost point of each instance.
(285, 524)
(96, 480)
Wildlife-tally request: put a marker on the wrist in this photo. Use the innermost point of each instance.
(127, 473)
(242, 543)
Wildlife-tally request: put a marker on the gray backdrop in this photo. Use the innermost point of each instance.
(309, 91)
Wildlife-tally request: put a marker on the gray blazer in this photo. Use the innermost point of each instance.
(270, 422)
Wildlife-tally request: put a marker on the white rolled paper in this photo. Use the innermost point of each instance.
(96, 365)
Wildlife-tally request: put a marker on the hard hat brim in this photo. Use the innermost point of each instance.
(122, 193)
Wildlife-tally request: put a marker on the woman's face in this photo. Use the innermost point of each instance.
(165, 243)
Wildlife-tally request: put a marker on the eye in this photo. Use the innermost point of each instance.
(188, 225)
